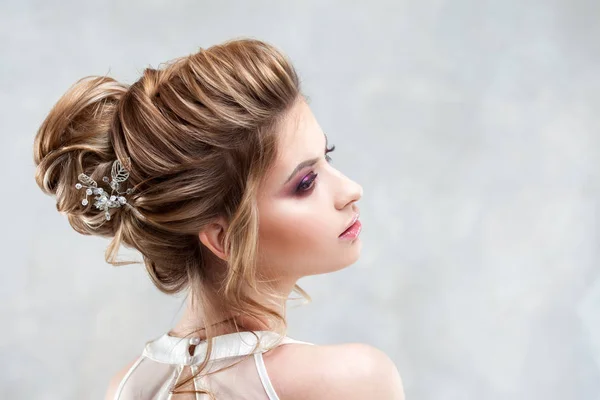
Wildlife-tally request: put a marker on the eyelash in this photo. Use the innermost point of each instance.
(302, 188)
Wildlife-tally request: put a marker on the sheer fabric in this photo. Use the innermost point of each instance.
(167, 360)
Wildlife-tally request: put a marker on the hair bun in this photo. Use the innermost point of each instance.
(74, 138)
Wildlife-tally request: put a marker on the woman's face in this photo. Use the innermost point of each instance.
(305, 203)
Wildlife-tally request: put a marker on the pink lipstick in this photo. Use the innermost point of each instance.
(352, 232)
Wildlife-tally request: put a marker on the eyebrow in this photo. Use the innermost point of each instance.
(306, 163)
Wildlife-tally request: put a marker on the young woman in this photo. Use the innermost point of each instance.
(214, 168)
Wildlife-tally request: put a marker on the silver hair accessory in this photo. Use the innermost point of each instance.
(104, 201)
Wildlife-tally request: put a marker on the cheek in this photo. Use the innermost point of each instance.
(292, 229)
(290, 235)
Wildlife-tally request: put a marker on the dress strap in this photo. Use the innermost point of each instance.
(126, 377)
(288, 339)
(264, 376)
(262, 369)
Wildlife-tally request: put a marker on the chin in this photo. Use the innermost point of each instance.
(353, 252)
(348, 256)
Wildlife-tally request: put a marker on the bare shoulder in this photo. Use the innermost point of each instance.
(115, 381)
(343, 371)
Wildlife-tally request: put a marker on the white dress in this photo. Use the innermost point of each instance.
(167, 360)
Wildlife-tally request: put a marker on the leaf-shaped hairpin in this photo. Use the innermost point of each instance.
(87, 180)
(104, 201)
(119, 174)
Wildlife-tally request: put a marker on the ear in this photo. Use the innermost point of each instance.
(213, 237)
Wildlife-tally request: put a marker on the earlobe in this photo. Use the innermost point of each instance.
(213, 237)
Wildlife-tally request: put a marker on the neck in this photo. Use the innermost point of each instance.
(197, 315)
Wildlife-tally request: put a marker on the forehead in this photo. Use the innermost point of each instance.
(299, 131)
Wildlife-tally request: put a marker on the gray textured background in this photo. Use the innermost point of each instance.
(472, 126)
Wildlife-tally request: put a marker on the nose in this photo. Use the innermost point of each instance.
(348, 193)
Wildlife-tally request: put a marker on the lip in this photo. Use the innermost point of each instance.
(352, 221)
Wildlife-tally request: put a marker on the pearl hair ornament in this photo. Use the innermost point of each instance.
(104, 201)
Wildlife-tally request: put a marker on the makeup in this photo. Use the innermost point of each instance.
(353, 231)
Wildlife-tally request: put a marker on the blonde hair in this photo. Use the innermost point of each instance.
(200, 133)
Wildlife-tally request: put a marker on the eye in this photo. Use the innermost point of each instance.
(307, 183)
(329, 150)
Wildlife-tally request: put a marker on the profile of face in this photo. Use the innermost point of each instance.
(305, 204)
